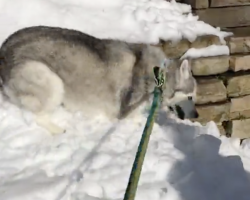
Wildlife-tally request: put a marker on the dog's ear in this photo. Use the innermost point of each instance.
(185, 70)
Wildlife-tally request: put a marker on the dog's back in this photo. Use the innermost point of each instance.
(44, 67)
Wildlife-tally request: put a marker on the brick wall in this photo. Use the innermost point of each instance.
(223, 94)
(232, 15)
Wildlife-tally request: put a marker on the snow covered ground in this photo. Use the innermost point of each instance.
(93, 159)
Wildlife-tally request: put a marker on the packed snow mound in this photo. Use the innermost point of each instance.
(145, 21)
(93, 159)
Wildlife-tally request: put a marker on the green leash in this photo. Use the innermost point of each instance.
(142, 148)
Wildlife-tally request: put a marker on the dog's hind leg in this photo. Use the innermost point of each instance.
(33, 86)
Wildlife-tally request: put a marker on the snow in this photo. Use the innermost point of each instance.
(130, 20)
(93, 159)
(212, 50)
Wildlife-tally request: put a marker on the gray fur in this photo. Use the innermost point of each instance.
(44, 67)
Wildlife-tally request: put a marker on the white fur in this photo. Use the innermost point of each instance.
(35, 87)
(185, 69)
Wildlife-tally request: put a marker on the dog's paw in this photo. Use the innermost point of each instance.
(54, 129)
(45, 122)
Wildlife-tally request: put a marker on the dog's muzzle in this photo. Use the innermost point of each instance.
(186, 109)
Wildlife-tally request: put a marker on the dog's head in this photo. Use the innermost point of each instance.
(180, 90)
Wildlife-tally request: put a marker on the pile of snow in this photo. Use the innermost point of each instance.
(93, 159)
(130, 20)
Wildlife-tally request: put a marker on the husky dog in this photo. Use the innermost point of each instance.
(45, 67)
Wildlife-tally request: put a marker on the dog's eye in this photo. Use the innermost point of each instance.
(190, 98)
(171, 108)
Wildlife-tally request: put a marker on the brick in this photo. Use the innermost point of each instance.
(211, 91)
(177, 49)
(205, 41)
(239, 63)
(238, 31)
(240, 107)
(238, 86)
(222, 3)
(240, 129)
(239, 44)
(197, 3)
(213, 112)
(210, 65)
(232, 16)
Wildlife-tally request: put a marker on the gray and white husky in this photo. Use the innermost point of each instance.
(45, 67)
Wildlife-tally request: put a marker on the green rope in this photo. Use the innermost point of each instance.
(142, 148)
